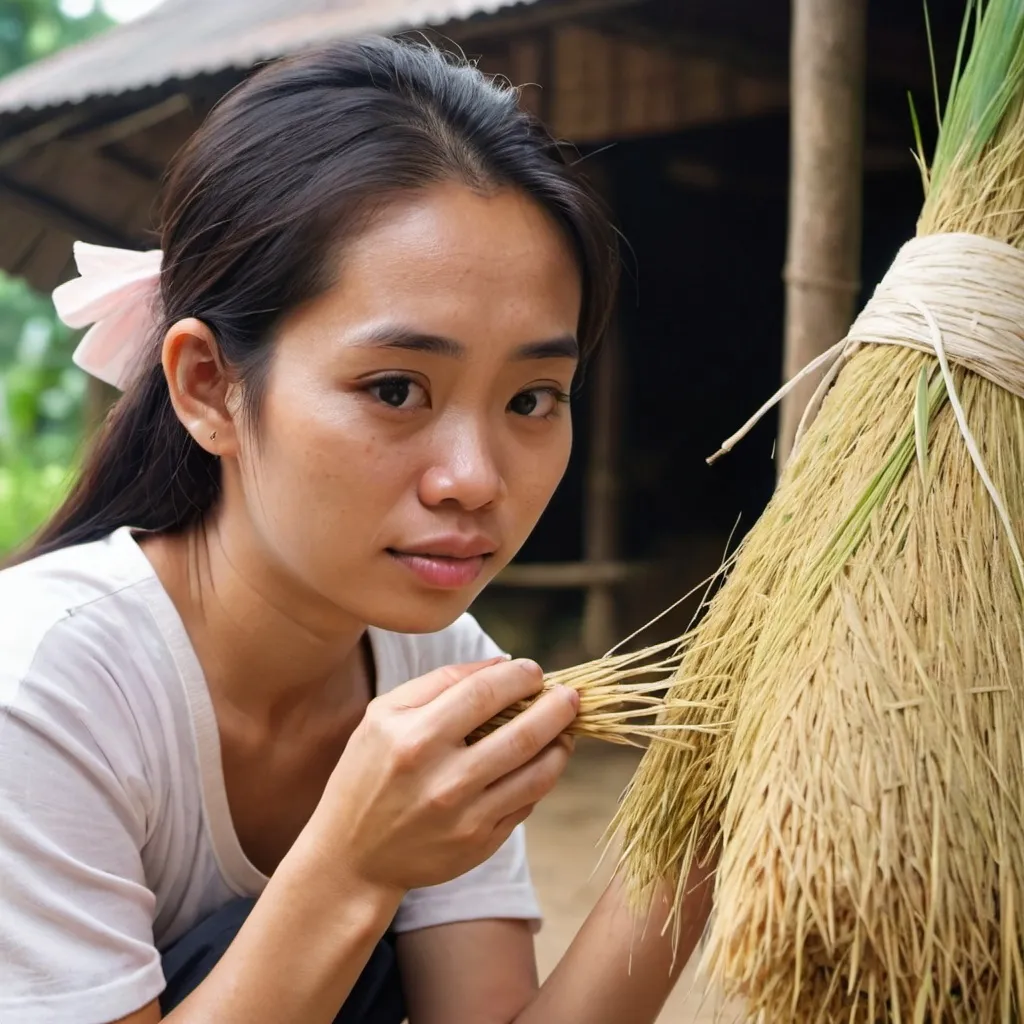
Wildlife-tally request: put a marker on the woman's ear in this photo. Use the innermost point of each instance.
(202, 391)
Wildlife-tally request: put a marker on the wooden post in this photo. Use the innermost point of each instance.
(601, 500)
(826, 161)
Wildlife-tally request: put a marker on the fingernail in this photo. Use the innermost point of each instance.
(529, 666)
(573, 693)
(567, 741)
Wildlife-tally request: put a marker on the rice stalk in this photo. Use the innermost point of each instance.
(620, 698)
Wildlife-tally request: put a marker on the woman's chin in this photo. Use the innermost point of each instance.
(422, 612)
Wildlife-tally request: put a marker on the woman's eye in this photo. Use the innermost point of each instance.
(399, 393)
(537, 403)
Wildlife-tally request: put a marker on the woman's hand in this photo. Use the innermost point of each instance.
(410, 804)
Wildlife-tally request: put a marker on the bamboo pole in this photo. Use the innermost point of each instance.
(826, 170)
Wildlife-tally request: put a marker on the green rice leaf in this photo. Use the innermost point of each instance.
(984, 88)
(919, 156)
(934, 70)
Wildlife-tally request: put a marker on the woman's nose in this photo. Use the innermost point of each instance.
(464, 471)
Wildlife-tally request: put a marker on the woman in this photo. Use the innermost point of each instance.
(237, 662)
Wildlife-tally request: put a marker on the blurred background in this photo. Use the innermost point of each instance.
(681, 112)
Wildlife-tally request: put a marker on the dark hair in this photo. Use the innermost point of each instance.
(287, 166)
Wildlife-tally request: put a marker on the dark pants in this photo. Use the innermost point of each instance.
(375, 999)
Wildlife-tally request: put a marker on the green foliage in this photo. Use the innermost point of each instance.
(41, 392)
(41, 397)
(30, 29)
(28, 496)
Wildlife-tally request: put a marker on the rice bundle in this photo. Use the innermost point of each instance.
(854, 695)
(621, 697)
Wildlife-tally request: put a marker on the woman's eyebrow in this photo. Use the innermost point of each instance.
(564, 346)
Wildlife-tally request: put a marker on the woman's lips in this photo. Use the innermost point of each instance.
(442, 571)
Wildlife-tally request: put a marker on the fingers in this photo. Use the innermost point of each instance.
(421, 691)
(512, 797)
(479, 697)
(505, 827)
(518, 742)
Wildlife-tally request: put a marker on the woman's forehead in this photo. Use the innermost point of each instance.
(452, 262)
(451, 226)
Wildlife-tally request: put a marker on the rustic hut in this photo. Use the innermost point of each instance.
(680, 109)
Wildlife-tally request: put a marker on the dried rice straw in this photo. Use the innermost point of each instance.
(620, 696)
(860, 674)
(623, 695)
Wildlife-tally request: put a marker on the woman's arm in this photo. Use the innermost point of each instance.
(298, 954)
(618, 968)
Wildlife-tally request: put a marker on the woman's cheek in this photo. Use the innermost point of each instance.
(537, 482)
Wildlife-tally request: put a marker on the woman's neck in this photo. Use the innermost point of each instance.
(267, 649)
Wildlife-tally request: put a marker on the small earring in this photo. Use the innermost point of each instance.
(213, 435)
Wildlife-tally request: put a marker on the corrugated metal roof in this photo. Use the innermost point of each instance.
(185, 38)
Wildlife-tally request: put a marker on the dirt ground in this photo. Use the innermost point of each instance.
(564, 836)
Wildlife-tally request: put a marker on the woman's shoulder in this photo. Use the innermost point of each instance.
(78, 707)
(70, 615)
(403, 656)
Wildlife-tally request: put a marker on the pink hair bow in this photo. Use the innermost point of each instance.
(117, 292)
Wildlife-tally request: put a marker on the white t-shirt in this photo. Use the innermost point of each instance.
(115, 831)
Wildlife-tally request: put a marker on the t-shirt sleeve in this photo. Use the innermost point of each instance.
(500, 887)
(76, 938)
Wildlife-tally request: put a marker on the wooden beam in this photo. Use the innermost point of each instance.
(102, 192)
(826, 184)
(18, 146)
(82, 126)
(144, 170)
(121, 128)
(65, 216)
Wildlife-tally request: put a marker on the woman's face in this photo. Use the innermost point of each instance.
(415, 423)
